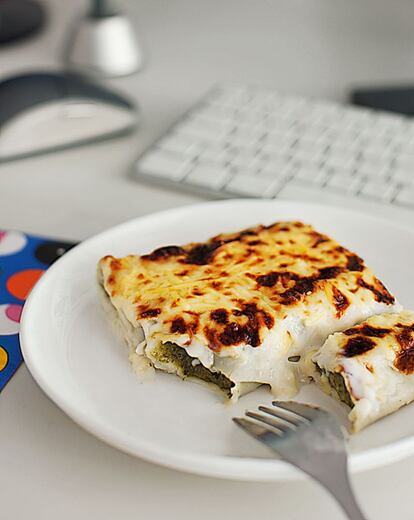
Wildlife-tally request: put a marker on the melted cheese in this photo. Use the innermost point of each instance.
(376, 361)
(243, 303)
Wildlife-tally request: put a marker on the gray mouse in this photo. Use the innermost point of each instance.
(41, 112)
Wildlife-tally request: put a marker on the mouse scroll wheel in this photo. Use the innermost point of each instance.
(78, 109)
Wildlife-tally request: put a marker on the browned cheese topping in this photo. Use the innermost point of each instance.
(388, 331)
(234, 287)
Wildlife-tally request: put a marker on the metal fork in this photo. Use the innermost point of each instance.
(312, 440)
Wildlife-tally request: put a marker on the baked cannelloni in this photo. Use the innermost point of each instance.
(370, 367)
(238, 310)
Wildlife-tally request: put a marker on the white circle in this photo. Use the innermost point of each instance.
(73, 355)
(12, 242)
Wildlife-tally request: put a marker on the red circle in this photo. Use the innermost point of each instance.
(20, 284)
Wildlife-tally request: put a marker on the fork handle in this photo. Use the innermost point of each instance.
(340, 488)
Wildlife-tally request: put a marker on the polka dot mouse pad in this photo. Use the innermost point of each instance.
(23, 260)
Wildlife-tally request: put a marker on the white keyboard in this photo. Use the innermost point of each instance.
(254, 142)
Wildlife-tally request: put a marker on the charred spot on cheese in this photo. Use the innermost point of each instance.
(219, 316)
(340, 301)
(304, 285)
(404, 360)
(327, 273)
(149, 313)
(190, 367)
(402, 325)
(163, 253)
(357, 346)
(234, 333)
(178, 325)
(354, 263)
(367, 330)
(379, 290)
(268, 320)
(268, 280)
(202, 254)
(255, 316)
(307, 284)
(248, 232)
(318, 238)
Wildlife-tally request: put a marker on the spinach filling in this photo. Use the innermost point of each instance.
(337, 384)
(171, 353)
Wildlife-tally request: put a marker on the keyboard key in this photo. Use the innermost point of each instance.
(390, 122)
(405, 197)
(340, 162)
(253, 185)
(249, 129)
(160, 163)
(382, 191)
(308, 140)
(402, 175)
(277, 170)
(378, 151)
(277, 125)
(180, 144)
(311, 175)
(214, 153)
(405, 161)
(343, 182)
(223, 114)
(248, 161)
(275, 149)
(244, 139)
(342, 137)
(272, 163)
(372, 170)
(208, 176)
(310, 157)
(277, 139)
(358, 117)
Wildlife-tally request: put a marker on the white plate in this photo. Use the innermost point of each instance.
(74, 357)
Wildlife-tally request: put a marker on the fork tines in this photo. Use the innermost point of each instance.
(285, 416)
(309, 438)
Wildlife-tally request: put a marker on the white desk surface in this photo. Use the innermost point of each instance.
(49, 467)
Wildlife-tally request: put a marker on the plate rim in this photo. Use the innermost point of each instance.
(212, 465)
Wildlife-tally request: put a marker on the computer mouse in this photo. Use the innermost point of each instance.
(42, 112)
